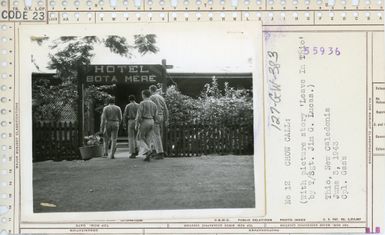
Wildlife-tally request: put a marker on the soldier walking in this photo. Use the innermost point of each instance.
(111, 119)
(129, 116)
(160, 123)
(145, 118)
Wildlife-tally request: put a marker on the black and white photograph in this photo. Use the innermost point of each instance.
(146, 119)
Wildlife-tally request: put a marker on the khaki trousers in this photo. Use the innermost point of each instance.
(158, 134)
(131, 136)
(112, 129)
(145, 135)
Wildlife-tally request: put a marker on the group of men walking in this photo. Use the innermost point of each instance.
(144, 123)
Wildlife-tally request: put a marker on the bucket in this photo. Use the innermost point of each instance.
(88, 152)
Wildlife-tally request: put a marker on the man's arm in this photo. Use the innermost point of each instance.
(102, 120)
(120, 115)
(165, 110)
(138, 118)
(125, 116)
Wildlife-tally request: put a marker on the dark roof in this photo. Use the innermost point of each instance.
(210, 75)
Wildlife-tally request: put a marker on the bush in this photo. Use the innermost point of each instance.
(214, 106)
(182, 108)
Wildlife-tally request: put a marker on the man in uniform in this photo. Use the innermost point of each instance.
(160, 123)
(146, 116)
(129, 116)
(111, 119)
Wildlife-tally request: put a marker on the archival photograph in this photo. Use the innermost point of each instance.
(150, 119)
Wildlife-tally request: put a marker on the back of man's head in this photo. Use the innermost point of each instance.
(153, 88)
(146, 93)
(111, 100)
(131, 98)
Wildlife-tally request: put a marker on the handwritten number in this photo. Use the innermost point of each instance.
(273, 54)
(315, 50)
(306, 50)
(330, 50)
(322, 50)
(338, 51)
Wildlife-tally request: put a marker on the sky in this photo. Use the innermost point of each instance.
(186, 51)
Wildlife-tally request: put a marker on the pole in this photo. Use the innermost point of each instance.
(80, 111)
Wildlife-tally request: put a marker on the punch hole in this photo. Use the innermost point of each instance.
(3, 196)
(28, 3)
(3, 111)
(3, 123)
(3, 148)
(3, 232)
(3, 172)
(3, 208)
(3, 184)
(52, 3)
(3, 135)
(3, 99)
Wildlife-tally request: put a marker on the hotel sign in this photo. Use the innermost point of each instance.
(126, 74)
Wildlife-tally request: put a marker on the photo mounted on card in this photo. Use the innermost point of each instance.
(141, 121)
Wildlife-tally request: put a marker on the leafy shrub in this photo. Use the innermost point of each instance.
(215, 106)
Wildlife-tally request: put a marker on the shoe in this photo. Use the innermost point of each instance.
(132, 156)
(159, 156)
(148, 157)
(153, 153)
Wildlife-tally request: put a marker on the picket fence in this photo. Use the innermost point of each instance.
(55, 141)
(59, 140)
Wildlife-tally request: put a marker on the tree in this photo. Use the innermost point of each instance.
(67, 55)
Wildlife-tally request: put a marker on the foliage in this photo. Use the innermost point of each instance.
(146, 43)
(182, 108)
(227, 105)
(214, 106)
(93, 140)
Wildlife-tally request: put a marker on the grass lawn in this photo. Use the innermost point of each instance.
(132, 184)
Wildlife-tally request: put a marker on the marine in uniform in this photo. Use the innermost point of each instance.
(160, 123)
(129, 116)
(111, 119)
(145, 118)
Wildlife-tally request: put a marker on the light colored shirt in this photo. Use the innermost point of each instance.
(111, 113)
(130, 111)
(146, 110)
(161, 104)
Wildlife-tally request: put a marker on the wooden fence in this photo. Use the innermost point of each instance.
(201, 138)
(59, 140)
(55, 141)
